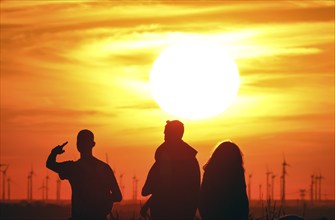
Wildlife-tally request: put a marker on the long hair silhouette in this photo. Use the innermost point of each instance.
(223, 189)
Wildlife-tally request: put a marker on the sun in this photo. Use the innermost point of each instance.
(194, 80)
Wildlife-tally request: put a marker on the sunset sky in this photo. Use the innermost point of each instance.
(71, 65)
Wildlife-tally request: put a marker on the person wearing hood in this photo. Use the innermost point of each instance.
(174, 179)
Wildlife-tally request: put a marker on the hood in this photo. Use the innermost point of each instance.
(175, 151)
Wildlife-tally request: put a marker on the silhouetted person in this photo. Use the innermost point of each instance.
(174, 179)
(94, 186)
(223, 189)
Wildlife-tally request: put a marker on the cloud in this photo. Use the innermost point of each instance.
(141, 106)
(32, 117)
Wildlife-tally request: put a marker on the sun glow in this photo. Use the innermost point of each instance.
(194, 80)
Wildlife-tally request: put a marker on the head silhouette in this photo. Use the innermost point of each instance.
(174, 130)
(85, 141)
(226, 154)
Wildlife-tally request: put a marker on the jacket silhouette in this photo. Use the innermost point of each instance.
(174, 179)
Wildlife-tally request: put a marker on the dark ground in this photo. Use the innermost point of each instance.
(130, 211)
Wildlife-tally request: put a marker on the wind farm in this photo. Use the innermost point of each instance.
(257, 73)
(313, 207)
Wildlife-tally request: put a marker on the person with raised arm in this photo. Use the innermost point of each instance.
(94, 186)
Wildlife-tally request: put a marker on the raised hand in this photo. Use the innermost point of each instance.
(59, 149)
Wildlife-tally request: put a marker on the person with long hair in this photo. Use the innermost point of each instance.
(223, 189)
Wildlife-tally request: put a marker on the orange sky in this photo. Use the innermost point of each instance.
(66, 66)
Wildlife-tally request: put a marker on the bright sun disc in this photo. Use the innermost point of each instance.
(194, 81)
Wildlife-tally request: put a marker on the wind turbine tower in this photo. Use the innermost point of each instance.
(272, 185)
(121, 184)
(46, 186)
(267, 184)
(135, 182)
(28, 187)
(4, 173)
(43, 190)
(284, 173)
(9, 181)
(281, 186)
(249, 187)
(58, 185)
(30, 184)
(312, 188)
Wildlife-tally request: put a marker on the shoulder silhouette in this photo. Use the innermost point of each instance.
(94, 186)
(174, 179)
(223, 189)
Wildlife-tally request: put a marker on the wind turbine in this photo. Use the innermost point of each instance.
(272, 185)
(281, 186)
(260, 192)
(30, 183)
(4, 172)
(28, 186)
(312, 188)
(58, 188)
(9, 181)
(267, 183)
(249, 186)
(43, 188)
(284, 173)
(46, 186)
(121, 184)
(135, 181)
